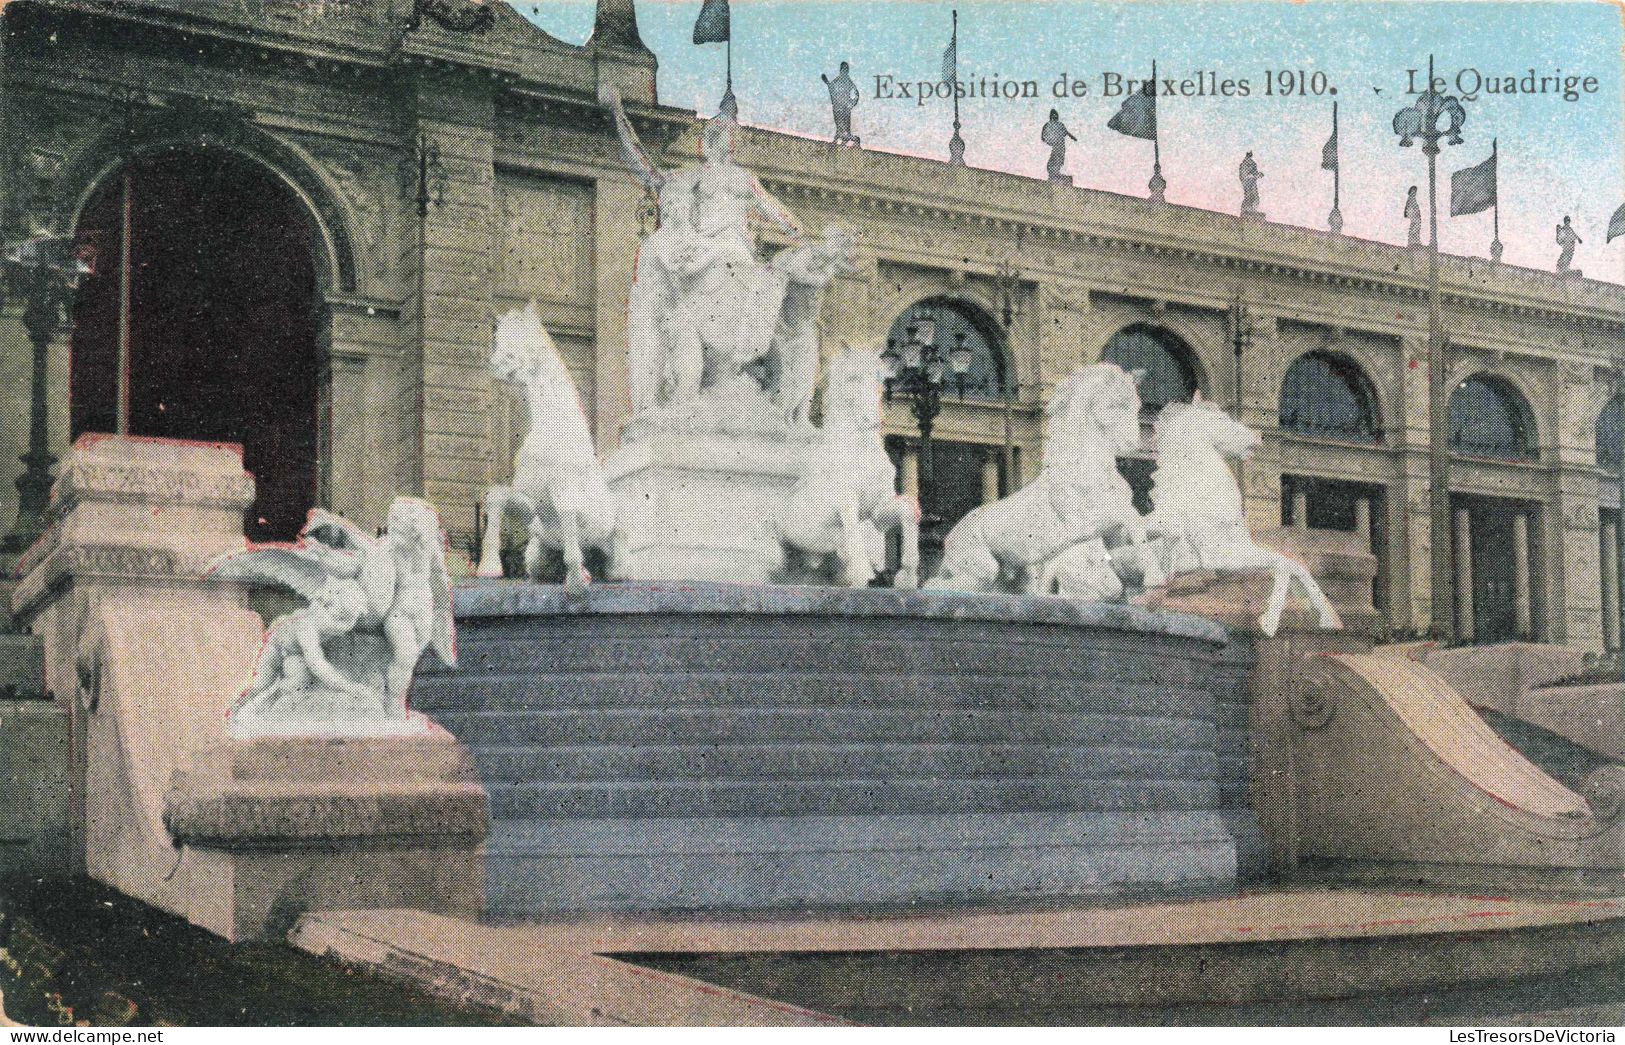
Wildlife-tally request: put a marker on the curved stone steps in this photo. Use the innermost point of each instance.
(539, 866)
(471, 690)
(759, 797)
(647, 725)
(950, 652)
(829, 760)
(682, 746)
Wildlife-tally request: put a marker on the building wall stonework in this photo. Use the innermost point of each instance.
(531, 199)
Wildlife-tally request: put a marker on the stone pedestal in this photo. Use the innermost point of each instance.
(270, 828)
(144, 654)
(118, 576)
(698, 508)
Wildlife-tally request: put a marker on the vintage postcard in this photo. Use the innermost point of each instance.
(811, 513)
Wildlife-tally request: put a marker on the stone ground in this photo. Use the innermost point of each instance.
(1299, 956)
(73, 951)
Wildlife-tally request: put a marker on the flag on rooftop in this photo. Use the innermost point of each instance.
(1472, 189)
(1616, 224)
(1328, 152)
(713, 24)
(1138, 116)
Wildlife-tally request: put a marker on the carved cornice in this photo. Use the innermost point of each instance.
(919, 192)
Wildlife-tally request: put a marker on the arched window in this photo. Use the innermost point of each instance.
(1488, 418)
(1328, 396)
(958, 326)
(1170, 375)
(1610, 451)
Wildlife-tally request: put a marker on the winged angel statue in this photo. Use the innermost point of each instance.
(341, 665)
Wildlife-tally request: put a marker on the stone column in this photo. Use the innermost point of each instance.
(1520, 575)
(615, 250)
(911, 471)
(990, 479)
(1300, 508)
(1619, 575)
(1362, 519)
(1464, 574)
(1610, 583)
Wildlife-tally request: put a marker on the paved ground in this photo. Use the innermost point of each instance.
(1400, 955)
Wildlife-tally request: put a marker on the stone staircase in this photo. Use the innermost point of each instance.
(669, 764)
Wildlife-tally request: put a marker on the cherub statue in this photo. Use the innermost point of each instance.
(344, 662)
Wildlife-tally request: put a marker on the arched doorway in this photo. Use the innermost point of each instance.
(224, 321)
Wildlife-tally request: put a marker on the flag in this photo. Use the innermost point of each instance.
(1138, 116)
(712, 25)
(1328, 153)
(950, 61)
(1472, 189)
(1616, 224)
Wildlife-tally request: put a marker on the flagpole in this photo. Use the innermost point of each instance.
(1157, 184)
(1495, 244)
(956, 144)
(1334, 221)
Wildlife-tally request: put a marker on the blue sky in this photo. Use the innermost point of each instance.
(1557, 157)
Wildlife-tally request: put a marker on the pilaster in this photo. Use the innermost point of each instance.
(455, 116)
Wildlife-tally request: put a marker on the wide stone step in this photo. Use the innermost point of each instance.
(546, 865)
(809, 797)
(471, 691)
(823, 760)
(936, 652)
(593, 725)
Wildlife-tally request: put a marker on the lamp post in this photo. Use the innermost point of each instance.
(1007, 280)
(41, 273)
(918, 370)
(1241, 340)
(1420, 121)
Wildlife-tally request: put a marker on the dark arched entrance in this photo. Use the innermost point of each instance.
(223, 321)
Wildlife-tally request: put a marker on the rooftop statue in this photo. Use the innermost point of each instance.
(1249, 174)
(1079, 497)
(558, 488)
(341, 665)
(843, 98)
(1055, 135)
(705, 341)
(1567, 240)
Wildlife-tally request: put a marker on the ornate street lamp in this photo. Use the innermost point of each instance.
(423, 176)
(1241, 340)
(1420, 122)
(41, 273)
(918, 370)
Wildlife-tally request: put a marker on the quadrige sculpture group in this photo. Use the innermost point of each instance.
(721, 472)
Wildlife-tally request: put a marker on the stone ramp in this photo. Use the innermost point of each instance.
(1395, 768)
(522, 973)
(1281, 945)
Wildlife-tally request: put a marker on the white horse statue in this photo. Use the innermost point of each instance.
(847, 487)
(1197, 509)
(1079, 497)
(558, 484)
